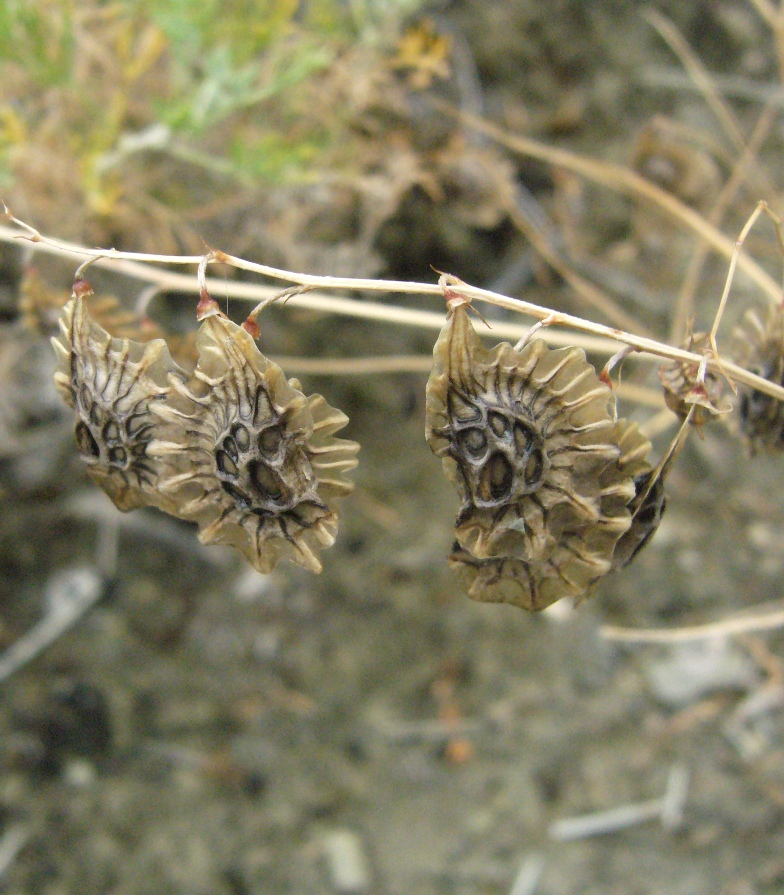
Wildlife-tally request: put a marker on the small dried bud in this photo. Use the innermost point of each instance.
(253, 460)
(682, 391)
(112, 384)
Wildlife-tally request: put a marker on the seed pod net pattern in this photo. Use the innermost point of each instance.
(233, 447)
(544, 473)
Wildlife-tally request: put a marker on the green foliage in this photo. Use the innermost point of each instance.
(231, 85)
(276, 158)
(224, 88)
(39, 37)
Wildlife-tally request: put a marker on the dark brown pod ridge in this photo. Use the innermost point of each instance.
(760, 349)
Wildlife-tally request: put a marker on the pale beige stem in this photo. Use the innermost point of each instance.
(606, 343)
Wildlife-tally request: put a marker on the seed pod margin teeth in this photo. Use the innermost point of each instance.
(254, 461)
(526, 437)
(112, 384)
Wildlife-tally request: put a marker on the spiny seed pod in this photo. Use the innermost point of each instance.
(584, 553)
(527, 439)
(255, 462)
(570, 570)
(682, 391)
(113, 384)
(760, 349)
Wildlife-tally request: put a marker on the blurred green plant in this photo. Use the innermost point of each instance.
(221, 85)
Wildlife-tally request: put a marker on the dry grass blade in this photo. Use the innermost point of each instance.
(706, 86)
(620, 180)
(685, 302)
(727, 627)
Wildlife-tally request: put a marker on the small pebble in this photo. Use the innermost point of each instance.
(687, 672)
(347, 864)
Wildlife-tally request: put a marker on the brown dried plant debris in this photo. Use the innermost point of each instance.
(760, 348)
(113, 385)
(683, 390)
(544, 473)
(252, 459)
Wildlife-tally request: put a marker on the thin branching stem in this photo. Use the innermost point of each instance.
(625, 181)
(731, 626)
(606, 337)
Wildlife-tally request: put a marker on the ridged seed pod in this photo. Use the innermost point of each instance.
(584, 553)
(760, 349)
(113, 384)
(253, 460)
(682, 391)
(528, 441)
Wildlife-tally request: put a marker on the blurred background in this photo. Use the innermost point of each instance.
(207, 730)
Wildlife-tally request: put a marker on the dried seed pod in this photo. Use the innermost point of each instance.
(647, 509)
(760, 349)
(255, 462)
(682, 391)
(112, 384)
(585, 551)
(40, 306)
(527, 439)
(648, 504)
(569, 571)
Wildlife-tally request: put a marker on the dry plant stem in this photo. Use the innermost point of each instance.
(528, 876)
(685, 303)
(55, 623)
(620, 180)
(11, 843)
(761, 207)
(706, 86)
(766, 10)
(605, 344)
(775, 19)
(669, 456)
(584, 289)
(382, 365)
(731, 626)
(668, 809)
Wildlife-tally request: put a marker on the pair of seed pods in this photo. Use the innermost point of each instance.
(555, 492)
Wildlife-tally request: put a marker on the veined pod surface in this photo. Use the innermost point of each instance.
(528, 441)
(112, 384)
(253, 460)
(584, 552)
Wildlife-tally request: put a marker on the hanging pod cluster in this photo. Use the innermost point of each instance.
(232, 446)
(554, 491)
